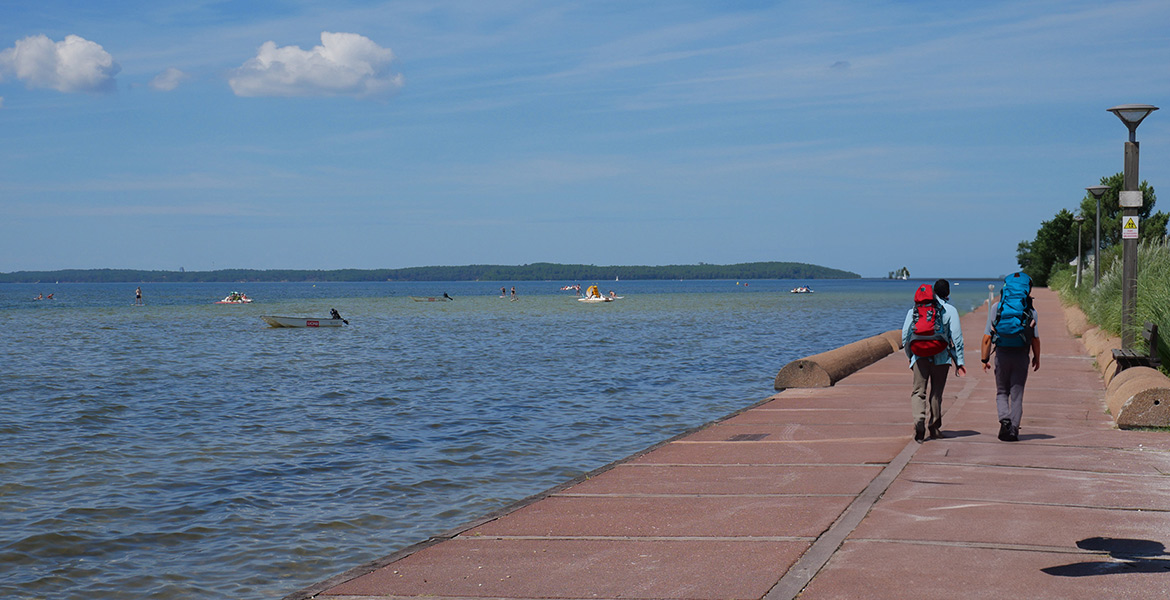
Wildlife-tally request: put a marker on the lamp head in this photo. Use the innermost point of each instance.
(1132, 115)
(1098, 190)
(1079, 218)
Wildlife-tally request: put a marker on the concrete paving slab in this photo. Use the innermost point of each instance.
(1087, 435)
(1044, 455)
(825, 416)
(778, 432)
(825, 452)
(732, 479)
(844, 394)
(490, 568)
(911, 518)
(723, 516)
(905, 571)
(1033, 486)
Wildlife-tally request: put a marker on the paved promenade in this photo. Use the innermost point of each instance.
(822, 493)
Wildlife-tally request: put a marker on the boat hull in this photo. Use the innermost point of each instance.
(275, 321)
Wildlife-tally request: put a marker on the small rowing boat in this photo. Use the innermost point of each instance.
(275, 321)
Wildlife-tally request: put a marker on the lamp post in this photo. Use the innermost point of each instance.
(1131, 201)
(1097, 191)
(1080, 219)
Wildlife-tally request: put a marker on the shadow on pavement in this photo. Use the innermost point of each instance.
(1130, 556)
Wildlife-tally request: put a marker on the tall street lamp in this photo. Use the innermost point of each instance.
(1080, 219)
(1097, 191)
(1131, 202)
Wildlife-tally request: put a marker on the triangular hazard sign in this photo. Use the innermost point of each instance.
(1129, 224)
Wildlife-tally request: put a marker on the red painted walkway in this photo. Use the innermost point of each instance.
(822, 493)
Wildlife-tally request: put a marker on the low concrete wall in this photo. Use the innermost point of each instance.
(827, 368)
(894, 336)
(1076, 321)
(1139, 397)
(1107, 365)
(1099, 343)
(1098, 340)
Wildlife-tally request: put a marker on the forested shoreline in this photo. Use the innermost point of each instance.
(530, 272)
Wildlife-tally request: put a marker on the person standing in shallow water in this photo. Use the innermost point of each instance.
(930, 372)
(138, 296)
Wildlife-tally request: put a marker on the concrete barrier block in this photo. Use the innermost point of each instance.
(1131, 374)
(894, 336)
(803, 373)
(1109, 371)
(1076, 321)
(1091, 338)
(1149, 407)
(1104, 358)
(827, 368)
(1139, 397)
(1097, 340)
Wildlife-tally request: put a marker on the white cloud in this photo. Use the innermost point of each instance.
(345, 64)
(72, 65)
(168, 80)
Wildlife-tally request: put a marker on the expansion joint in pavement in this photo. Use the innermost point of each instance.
(809, 564)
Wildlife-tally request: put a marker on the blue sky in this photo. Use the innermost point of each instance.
(860, 135)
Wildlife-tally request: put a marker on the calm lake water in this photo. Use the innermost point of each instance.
(186, 450)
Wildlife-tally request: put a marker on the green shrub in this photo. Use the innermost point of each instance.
(1102, 306)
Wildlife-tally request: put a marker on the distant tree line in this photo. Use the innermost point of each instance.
(1055, 244)
(532, 272)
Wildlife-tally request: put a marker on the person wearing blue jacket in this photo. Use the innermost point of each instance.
(931, 373)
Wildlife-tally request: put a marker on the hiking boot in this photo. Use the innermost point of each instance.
(1005, 430)
(920, 431)
(1013, 434)
(935, 433)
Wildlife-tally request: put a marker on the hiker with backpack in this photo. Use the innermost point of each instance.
(933, 338)
(1011, 329)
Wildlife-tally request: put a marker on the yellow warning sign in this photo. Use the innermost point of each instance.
(1129, 228)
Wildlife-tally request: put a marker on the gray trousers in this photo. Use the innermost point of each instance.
(1011, 373)
(922, 407)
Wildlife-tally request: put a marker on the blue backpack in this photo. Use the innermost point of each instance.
(1013, 320)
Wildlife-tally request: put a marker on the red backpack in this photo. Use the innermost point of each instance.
(927, 337)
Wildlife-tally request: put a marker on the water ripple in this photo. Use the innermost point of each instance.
(185, 450)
